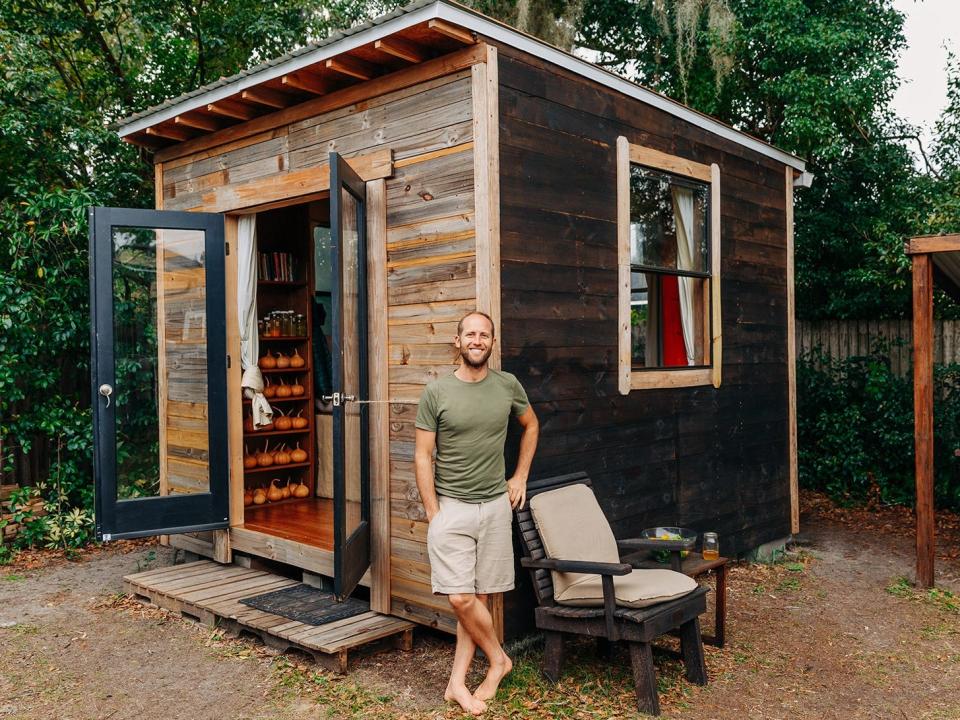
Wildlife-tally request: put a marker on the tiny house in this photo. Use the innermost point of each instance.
(330, 215)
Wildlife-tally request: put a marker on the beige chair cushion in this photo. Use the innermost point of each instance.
(573, 527)
(639, 589)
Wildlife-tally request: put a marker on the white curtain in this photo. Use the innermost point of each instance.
(252, 381)
(683, 219)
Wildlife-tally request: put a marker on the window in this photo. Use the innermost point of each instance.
(668, 228)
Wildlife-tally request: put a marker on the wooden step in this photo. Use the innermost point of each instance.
(210, 593)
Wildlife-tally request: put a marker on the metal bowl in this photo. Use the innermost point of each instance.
(673, 538)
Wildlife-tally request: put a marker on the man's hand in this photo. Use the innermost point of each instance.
(517, 491)
(431, 514)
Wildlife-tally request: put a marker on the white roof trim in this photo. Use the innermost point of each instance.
(494, 30)
(488, 28)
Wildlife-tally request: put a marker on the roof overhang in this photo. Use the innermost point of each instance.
(945, 252)
(444, 26)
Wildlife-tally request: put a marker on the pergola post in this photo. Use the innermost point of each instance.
(923, 412)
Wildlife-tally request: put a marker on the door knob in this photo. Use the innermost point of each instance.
(106, 390)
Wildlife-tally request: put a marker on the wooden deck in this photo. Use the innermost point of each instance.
(210, 593)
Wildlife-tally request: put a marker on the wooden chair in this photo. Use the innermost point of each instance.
(638, 626)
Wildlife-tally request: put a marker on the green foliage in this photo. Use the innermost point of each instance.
(855, 429)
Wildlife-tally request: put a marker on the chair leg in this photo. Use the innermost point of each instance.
(644, 677)
(692, 646)
(553, 655)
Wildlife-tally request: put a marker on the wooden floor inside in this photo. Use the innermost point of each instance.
(210, 593)
(308, 521)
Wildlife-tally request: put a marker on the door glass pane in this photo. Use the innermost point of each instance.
(159, 303)
(351, 356)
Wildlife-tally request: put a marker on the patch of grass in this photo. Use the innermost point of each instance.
(341, 696)
(791, 583)
(13, 577)
(759, 590)
(940, 599)
(24, 629)
(145, 562)
(796, 567)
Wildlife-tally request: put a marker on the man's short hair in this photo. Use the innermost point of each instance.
(493, 330)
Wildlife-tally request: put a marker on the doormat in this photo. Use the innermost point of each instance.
(307, 604)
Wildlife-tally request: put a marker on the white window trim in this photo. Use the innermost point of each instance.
(627, 379)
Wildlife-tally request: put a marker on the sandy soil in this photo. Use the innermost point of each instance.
(817, 636)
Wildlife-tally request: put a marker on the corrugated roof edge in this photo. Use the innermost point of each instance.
(420, 11)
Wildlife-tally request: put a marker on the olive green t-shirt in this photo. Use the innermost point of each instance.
(470, 420)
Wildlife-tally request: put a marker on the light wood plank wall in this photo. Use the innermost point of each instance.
(430, 263)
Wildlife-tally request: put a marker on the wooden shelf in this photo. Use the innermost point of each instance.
(304, 369)
(268, 468)
(272, 433)
(269, 504)
(282, 338)
(274, 400)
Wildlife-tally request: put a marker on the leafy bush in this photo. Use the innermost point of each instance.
(855, 429)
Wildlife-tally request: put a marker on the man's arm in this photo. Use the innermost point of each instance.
(423, 466)
(517, 485)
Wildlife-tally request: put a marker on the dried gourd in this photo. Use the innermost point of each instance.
(282, 422)
(298, 455)
(297, 389)
(249, 459)
(301, 490)
(283, 362)
(283, 390)
(281, 456)
(247, 498)
(265, 458)
(259, 496)
(267, 362)
(274, 493)
(296, 360)
(299, 423)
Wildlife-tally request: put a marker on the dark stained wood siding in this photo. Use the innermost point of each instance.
(712, 459)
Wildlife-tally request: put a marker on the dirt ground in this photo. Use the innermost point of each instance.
(832, 631)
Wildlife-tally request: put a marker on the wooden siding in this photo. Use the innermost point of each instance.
(430, 261)
(712, 459)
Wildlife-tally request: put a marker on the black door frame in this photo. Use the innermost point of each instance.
(351, 555)
(168, 514)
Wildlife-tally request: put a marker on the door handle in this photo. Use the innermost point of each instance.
(338, 398)
(106, 390)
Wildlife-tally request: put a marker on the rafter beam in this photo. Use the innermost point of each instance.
(266, 97)
(171, 133)
(452, 31)
(403, 49)
(305, 82)
(232, 109)
(198, 121)
(354, 67)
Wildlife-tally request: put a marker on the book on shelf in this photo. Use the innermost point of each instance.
(276, 267)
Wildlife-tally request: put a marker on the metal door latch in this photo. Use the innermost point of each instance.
(106, 390)
(338, 398)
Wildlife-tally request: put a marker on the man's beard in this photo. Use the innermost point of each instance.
(476, 364)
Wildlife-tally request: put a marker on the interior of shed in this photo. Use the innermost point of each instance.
(288, 464)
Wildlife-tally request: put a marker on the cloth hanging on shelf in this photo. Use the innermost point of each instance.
(252, 380)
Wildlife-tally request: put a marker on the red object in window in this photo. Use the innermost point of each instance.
(674, 351)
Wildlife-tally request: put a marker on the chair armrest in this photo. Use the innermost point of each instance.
(577, 566)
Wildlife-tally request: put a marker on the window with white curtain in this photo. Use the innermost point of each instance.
(669, 238)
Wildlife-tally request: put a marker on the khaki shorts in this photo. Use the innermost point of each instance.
(471, 547)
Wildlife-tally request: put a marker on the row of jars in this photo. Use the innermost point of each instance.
(282, 323)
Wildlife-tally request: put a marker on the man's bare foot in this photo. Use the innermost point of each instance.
(497, 672)
(460, 695)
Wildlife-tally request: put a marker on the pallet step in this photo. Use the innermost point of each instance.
(210, 593)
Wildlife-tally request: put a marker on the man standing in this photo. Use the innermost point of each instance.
(464, 417)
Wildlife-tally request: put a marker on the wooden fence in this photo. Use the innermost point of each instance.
(842, 339)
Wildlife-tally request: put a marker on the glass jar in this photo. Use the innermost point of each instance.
(300, 325)
(287, 323)
(711, 546)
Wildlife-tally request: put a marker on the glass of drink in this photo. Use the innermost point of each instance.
(711, 546)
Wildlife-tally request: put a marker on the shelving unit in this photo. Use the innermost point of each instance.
(284, 232)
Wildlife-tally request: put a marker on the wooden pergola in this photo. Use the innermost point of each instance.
(935, 258)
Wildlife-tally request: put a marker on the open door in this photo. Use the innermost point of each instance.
(158, 372)
(351, 463)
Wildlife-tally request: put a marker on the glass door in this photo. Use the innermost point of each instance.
(351, 466)
(158, 372)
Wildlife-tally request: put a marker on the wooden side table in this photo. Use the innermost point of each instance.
(693, 566)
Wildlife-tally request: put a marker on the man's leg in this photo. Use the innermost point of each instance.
(457, 685)
(474, 617)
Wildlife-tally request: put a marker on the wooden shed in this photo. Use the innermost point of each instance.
(338, 209)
